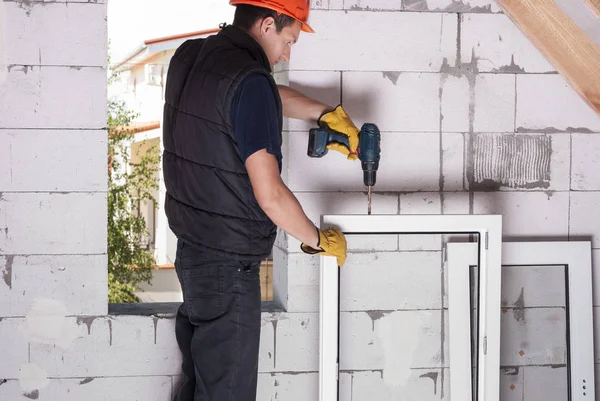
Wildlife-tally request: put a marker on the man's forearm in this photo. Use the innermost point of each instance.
(285, 211)
(297, 105)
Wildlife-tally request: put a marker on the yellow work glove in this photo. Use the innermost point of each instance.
(331, 243)
(338, 120)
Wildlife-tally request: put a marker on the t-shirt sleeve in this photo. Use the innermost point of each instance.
(254, 115)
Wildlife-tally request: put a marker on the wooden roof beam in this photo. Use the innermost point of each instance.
(561, 41)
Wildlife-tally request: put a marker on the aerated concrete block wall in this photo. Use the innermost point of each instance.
(474, 120)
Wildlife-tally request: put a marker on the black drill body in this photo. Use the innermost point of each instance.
(369, 147)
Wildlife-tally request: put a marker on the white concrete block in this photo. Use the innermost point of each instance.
(317, 204)
(266, 359)
(303, 270)
(373, 5)
(548, 103)
(372, 243)
(463, 6)
(455, 203)
(511, 384)
(453, 161)
(533, 287)
(409, 162)
(5, 162)
(55, 34)
(280, 277)
(560, 163)
(527, 214)
(420, 203)
(400, 102)
(288, 386)
(80, 166)
(412, 384)
(303, 283)
(585, 174)
(340, 48)
(584, 218)
(395, 341)
(546, 383)
(141, 388)
(533, 337)
(15, 351)
(53, 97)
(324, 86)
(454, 103)
(499, 46)
(41, 223)
(319, 5)
(494, 108)
(391, 281)
(297, 343)
(114, 346)
(345, 386)
(79, 282)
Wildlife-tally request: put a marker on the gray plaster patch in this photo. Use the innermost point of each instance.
(34, 395)
(455, 6)
(24, 68)
(376, 315)
(88, 320)
(110, 332)
(513, 161)
(7, 272)
(511, 68)
(433, 376)
(511, 371)
(550, 130)
(392, 76)
(519, 307)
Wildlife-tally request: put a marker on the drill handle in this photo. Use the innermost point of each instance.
(319, 138)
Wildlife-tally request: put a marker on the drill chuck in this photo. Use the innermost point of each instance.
(370, 173)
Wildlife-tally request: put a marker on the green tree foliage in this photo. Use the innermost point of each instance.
(130, 262)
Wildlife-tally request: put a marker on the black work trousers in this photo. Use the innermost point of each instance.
(217, 326)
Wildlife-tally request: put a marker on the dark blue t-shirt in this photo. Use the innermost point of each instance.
(254, 116)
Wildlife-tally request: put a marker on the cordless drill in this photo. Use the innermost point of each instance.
(369, 149)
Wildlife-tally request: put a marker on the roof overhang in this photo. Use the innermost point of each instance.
(152, 47)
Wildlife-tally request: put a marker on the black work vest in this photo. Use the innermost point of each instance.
(209, 201)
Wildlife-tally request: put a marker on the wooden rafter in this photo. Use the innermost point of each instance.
(595, 6)
(561, 41)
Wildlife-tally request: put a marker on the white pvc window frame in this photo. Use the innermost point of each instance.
(576, 256)
(488, 228)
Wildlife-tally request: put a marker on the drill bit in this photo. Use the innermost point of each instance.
(369, 200)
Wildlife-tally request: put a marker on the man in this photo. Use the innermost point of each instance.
(225, 198)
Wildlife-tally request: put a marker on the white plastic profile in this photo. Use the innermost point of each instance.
(577, 259)
(489, 231)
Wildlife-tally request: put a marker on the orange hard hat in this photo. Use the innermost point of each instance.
(297, 9)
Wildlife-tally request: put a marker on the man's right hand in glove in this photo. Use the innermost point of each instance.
(338, 120)
(332, 242)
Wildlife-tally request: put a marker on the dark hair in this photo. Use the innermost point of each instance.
(246, 16)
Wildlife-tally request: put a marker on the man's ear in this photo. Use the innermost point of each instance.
(267, 25)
